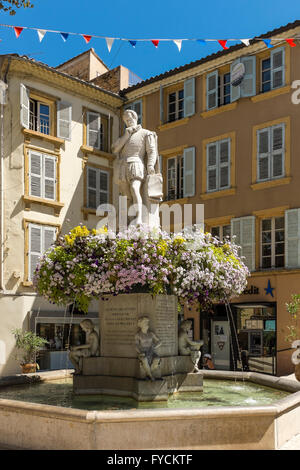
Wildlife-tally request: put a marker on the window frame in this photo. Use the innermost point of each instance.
(273, 242)
(218, 165)
(271, 153)
(43, 156)
(179, 177)
(177, 101)
(98, 190)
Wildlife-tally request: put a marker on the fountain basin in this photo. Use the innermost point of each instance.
(35, 426)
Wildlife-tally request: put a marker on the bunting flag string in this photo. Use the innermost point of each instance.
(269, 42)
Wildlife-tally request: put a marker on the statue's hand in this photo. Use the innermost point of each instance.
(150, 170)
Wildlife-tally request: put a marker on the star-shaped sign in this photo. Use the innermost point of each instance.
(269, 289)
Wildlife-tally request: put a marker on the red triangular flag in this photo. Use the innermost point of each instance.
(155, 42)
(291, 42)
(222, 42)
(18, 30)
(87, 38)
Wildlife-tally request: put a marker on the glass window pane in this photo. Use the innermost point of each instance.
(266, 224)
(226, 231)
(279, 248)
(215, 231)
(266, 250)
(279, 261)
(266, 262)
(279, 222)
(266, 64)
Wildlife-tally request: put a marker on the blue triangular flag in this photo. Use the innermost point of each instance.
(267, 42)
(201, 41)
(133, 43)
(64, 36)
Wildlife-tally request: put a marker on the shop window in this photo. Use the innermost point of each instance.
(272, 242)
(61, 336)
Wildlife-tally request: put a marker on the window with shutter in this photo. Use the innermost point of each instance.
(64, 120)
(41, 237)
(42, 175)
(189, 97)
(270, 157)
(24, 102)
(243, 229)
(97, 187)
(212, 90)
(218, 165)
(93, 130)
(189, 172)
(292, 245)
(273, 70)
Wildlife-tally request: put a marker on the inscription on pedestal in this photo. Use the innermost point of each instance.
(118, 323)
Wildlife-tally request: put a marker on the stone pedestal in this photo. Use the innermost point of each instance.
(118, 370)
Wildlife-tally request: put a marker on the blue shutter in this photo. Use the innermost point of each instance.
(189, 97)
(277, 68)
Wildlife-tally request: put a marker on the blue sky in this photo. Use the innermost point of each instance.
(155, 19)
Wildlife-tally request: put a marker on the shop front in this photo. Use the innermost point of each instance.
(251, 332)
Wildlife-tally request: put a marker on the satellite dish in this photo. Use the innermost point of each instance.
(237, 74)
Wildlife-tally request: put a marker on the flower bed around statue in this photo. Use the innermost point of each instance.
(84, 265)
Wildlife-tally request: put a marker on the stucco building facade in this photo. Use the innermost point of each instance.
(234, 148)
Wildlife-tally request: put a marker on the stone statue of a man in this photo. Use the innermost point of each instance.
(138, 158)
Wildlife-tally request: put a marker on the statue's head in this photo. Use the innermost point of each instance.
(130, 118)
(143, 321)
(186, 325)
(87, 325)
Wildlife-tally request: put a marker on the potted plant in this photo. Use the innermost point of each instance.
(28, 344)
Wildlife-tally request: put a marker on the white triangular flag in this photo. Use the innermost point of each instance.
(246, 42)
(109, 43)
(178, 43)
(41, 34)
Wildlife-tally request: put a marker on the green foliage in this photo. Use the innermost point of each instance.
(29, 343)
(293, 309)
(11, 5)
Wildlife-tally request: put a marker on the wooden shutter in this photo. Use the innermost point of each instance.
(212, 90)
(35, 174)
(93, 130)
(103, 185)
(224, 164)
(235, 91)
(49, 177)
(212, 166)
(49, 236)
(189, 172)
(189, 97)
(263, 154)
(248, 85)
(35, 248)
(25, 106)
(64, 120)
(244, 229)
(292, 236)
(277, 142)
(91, 188)
(277, 68)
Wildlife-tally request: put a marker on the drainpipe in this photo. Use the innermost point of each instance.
(3, 90)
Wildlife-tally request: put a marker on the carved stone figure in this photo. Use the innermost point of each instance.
(139, 177)
(90, 349)
(296, 358)
(188, 347)
(146, 342)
